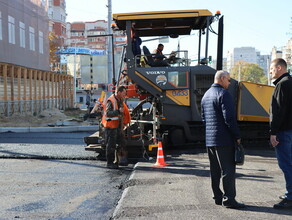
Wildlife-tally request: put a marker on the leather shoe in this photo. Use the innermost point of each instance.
(233, 204)
(284, 204)
(112, 166)
(218, 201)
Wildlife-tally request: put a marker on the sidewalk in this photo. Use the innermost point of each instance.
(182, 190)
(49, 129)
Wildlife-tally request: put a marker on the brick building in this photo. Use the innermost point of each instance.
(83, 34)
(57, 16)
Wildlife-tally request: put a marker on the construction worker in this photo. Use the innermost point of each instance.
(158, 53)
(87, 99)
(115, 118)
(159, 58)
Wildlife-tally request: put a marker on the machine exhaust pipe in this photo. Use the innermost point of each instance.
(220, 45)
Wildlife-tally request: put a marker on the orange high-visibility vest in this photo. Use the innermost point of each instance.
(113, 122)
(127, 116)
(157, 51)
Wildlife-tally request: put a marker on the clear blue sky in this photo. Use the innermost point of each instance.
(257, 23)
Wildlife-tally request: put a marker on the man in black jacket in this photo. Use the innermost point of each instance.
(281, 125)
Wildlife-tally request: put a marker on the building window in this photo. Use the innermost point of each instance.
(22, 34)
(11, 30)
(41, 42)
(0, 26)
(31, 39)
(51, 28)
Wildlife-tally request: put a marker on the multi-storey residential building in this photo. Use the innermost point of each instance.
(264, 62)
(276, 53)
(24, 33)
(247, 54)
(91, 71)
(57, 15)
(287, 54)
(284, 52)
(84, 34)
(250, 55)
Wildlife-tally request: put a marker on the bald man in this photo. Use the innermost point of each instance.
(222, 134)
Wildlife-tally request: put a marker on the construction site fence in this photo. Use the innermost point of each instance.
(34, 107)
(24, 90)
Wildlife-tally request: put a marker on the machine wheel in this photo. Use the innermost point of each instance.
(177, 137)
(165, 141)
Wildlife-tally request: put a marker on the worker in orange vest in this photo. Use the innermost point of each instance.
(159, 58)
(115, 118)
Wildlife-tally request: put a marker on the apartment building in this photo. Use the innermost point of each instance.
(284, 52)
(24, 33)
(250, 55)
(247, 54)
(57, 15)
(84, 34)
(288, 54)
(264, 62)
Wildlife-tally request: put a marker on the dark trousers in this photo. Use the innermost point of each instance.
(284, 156)
(222, 165)
(114, 141)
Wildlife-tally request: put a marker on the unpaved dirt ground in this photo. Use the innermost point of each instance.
(49, 117)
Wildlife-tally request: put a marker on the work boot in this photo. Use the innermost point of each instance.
(233, 204)
(112, 166)
(123, 162)
(122, 158)
(284, 204)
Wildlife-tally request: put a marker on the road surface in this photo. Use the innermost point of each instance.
(51, 176)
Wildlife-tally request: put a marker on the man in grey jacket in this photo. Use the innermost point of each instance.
(222, 133)
(281, 125)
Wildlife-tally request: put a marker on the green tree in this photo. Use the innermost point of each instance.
(250, 72)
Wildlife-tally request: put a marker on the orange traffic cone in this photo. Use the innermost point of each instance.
(160, 157)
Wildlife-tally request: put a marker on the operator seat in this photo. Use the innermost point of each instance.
(149, 59)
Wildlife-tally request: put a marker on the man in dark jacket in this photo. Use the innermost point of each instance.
(281, 125)
(222, 133)
(136, 43)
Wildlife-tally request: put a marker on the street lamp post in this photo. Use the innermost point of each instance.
(74, 91)
(110, 44)
(239, 73)
(178, 43)
(239, 70)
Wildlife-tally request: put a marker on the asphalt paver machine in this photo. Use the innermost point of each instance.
(169, 95)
